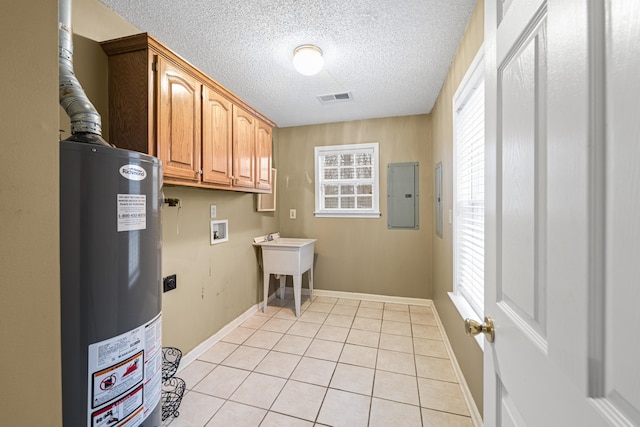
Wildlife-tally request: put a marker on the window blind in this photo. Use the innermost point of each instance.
(469, 225)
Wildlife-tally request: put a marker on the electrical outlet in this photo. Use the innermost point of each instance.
(169, 283)
(292, 214)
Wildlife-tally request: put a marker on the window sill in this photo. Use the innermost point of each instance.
(347, 214)
(466, 312)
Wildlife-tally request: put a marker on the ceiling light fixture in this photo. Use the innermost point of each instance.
(307, 59)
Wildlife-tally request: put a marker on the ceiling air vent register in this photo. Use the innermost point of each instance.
(335, 97)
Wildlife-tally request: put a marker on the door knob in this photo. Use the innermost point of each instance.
(474, 328)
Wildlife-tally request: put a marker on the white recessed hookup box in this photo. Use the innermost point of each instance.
(219, 231)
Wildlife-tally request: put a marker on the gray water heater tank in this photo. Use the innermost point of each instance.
(110, 255)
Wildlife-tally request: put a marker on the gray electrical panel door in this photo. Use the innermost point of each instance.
(438, 184)
(402, 196)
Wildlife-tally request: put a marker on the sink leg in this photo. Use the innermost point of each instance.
(297, 290)
(266, 292)
(311, 284)
(283, 280)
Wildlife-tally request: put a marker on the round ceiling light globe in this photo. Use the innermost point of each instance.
(307, 59)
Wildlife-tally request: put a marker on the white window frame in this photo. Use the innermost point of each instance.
(465, 297)
(323, 212)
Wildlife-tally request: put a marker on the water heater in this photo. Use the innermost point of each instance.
(110, 250)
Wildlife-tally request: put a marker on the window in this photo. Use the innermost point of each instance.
(468, 189)
(347, 181)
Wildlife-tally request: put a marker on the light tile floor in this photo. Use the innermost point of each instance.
(344, 362)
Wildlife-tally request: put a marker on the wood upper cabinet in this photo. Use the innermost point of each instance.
(205, 135)
(263, 155)
(179, 113)
(244, 148)
(217, 149)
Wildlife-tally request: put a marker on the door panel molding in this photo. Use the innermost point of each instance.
(509, 416)
(521, 139)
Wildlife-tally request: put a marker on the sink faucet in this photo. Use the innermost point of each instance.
(272, 236)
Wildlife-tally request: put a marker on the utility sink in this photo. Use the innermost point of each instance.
(285, 256)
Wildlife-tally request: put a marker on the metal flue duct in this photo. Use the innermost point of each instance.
(86, 124)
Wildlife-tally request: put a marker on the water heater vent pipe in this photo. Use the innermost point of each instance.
(86, 124)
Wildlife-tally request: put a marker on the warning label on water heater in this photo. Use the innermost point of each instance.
(132, 212)
(125, 377)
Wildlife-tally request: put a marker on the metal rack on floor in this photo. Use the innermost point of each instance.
(172, 387)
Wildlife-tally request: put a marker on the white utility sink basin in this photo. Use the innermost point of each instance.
(286, 256)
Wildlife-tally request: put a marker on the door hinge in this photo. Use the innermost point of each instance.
(154, 66)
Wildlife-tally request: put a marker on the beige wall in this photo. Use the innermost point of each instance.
(467, 351)
(216, 283)
(360, 255)
(30, 378)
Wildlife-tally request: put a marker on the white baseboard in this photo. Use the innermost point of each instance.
(476, 418)
(371, 297)
(360, 296)
(213, 339)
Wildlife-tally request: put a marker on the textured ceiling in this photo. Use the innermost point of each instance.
(392, 55)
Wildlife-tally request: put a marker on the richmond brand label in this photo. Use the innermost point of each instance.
(133, 172)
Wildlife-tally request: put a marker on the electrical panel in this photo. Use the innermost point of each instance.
(402, 196)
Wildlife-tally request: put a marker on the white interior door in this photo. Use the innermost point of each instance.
(562, 212)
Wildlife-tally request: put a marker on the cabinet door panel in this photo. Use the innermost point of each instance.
(243, 148)
(179, 123)
(263, 156)
(217, 116)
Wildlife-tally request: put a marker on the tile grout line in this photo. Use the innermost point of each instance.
(314, 337)
(288, 379)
